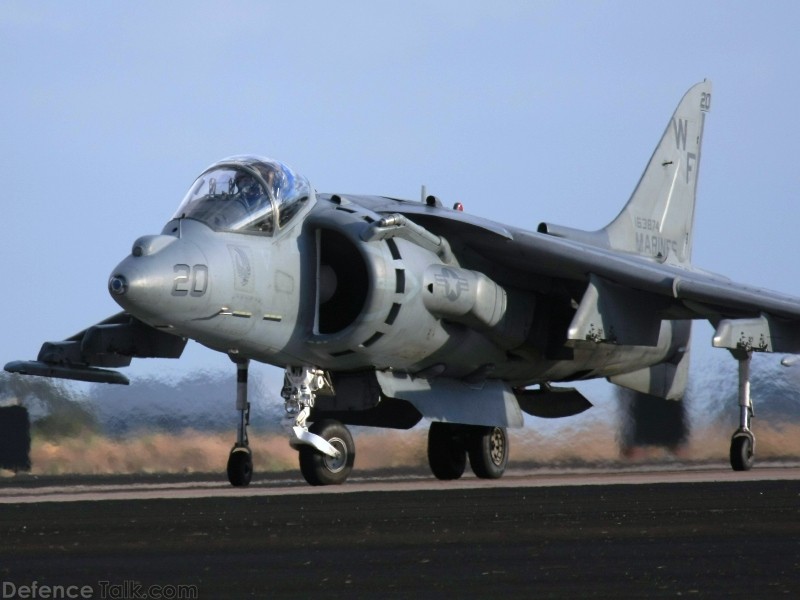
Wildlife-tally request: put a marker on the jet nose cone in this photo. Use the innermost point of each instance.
(118, 285)
(163, 280)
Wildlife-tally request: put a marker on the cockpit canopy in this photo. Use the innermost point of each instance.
(246, 194)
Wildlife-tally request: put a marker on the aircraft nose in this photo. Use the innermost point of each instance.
(161, 278)
(139, 284)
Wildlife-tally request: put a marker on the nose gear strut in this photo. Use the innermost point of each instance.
(301, 385)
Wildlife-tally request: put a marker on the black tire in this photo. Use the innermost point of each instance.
(447, 455)
(319, 469)
(240, 466)
(488, 451)
(742, 455)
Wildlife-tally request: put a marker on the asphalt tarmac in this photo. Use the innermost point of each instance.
(703, 533)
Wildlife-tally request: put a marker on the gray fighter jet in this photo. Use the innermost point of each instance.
(384, 311)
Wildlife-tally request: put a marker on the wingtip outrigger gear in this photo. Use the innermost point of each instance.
(240, 461)
(743, 442)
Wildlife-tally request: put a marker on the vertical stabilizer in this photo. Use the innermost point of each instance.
(657, 220)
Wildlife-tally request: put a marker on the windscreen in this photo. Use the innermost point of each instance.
(249, 195)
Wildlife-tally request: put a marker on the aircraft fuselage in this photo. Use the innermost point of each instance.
(318, 294)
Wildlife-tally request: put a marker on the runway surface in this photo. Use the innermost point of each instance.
(703, 532)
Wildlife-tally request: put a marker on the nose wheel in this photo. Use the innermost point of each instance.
(321, 469)
(326, 448)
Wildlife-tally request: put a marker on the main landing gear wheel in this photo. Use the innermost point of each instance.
(320, 469)
(742, 451)
(447, 454)
(449, 444)
(488, 451)
(240, 466)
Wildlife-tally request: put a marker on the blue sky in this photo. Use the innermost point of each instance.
(523, 111)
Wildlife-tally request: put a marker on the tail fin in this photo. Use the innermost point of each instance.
(657, 220)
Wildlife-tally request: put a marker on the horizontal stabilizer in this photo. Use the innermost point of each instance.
(667, 380)
(112, 344)
(664, 380)
(90, 354)
(43, 369)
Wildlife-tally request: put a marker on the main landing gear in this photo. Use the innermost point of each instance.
(449, 444)
(743, 442)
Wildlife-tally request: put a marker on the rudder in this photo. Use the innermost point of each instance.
(657, 221)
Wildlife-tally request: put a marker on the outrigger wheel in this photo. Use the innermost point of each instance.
(743, 442)
(742, 451)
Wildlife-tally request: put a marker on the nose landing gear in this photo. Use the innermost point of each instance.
(326, 449)
(322, 469)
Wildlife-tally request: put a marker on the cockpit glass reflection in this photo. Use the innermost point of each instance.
(249, 195)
